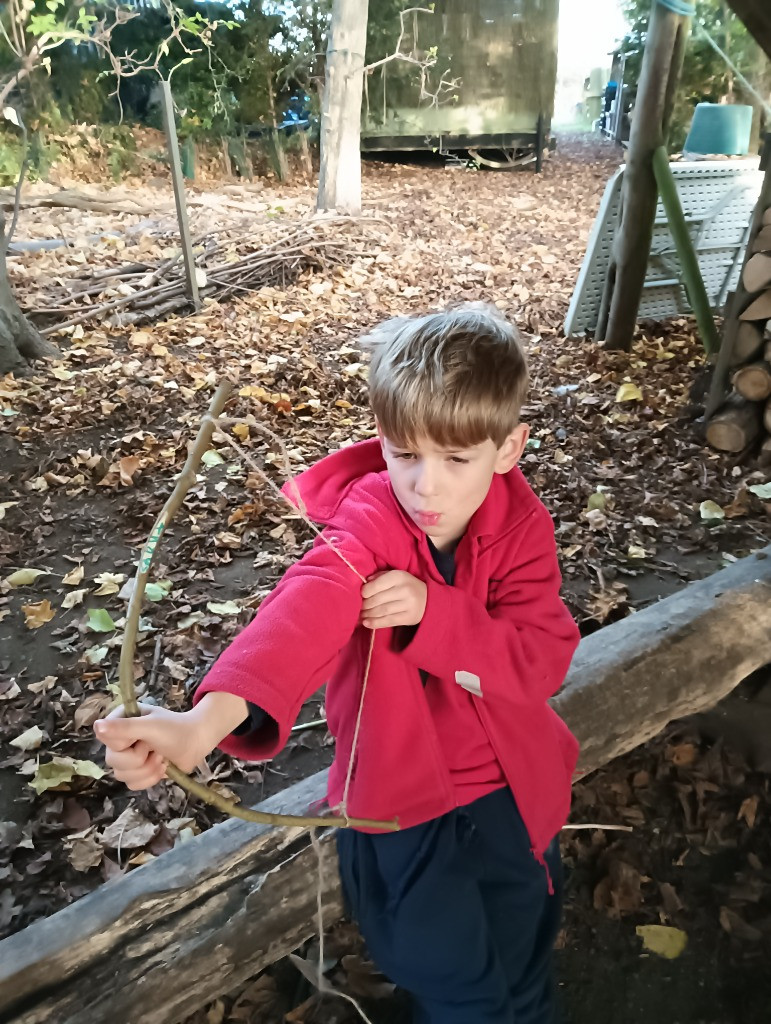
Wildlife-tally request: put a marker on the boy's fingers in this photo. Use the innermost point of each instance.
(141, 780)
(378, 585)
(384, 623)
(131, 758)
(119, 733)
(380, 611)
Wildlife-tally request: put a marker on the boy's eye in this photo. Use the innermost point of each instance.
(459, 459)
(404, 455)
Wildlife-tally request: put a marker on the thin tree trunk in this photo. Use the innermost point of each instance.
(662, 61)
(20, 343)
(340, 169)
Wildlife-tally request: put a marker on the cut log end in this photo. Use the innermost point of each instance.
(760, 309)
(748, 342)
(762, 241)
(757, 272)
(735, 426)
(753, 381)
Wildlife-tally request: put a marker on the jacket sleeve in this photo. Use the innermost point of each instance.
(288, 650)
(518, 648)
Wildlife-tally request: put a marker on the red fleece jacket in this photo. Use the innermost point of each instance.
(501, 631)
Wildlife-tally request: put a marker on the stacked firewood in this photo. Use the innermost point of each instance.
(744, 420)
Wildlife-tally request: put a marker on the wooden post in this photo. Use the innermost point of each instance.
(178, 182)
(662, 60)
(539, 143)
(689, 262)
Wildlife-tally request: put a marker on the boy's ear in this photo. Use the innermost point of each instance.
(511, 450)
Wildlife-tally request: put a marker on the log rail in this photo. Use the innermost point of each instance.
(160, 942)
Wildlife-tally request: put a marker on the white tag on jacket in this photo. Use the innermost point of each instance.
(469, 682)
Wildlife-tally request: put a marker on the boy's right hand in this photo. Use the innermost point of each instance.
(138, 748)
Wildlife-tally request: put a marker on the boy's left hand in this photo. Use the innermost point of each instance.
(393, 598)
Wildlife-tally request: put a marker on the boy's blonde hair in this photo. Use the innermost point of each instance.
(458, 377)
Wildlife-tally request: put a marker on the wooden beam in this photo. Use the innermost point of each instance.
(756, 15)
(163, 940)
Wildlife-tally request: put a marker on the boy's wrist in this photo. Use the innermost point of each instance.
(217, 714)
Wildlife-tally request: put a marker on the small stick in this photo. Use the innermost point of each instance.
(309, 725)
(606, 828)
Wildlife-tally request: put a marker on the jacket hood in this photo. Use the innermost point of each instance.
(329, 481)
(358, 474)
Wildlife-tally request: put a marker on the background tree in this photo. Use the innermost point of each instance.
(33, 32)
(340, 168)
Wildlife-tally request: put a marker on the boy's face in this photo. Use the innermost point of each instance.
(441, 489)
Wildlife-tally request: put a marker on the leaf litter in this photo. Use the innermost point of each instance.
(98, 437)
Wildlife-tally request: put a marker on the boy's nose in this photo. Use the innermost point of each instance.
(425, 483)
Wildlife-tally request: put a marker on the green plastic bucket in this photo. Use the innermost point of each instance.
(720, 128)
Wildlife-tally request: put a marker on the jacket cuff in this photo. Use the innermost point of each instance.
(433, 633)
(256, 745)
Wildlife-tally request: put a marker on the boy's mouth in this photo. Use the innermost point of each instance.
(428, 518)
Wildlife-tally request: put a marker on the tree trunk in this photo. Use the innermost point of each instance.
(340, 169)
(20, 343)
(662, 60)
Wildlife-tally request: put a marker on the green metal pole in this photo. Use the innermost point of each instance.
(689, 264)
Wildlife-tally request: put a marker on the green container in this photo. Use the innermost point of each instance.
(722, 128)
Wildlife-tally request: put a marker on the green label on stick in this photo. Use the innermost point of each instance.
(149, 548)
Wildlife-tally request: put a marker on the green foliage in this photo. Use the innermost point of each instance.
(41, 156)
(705, 76)
(122, 150)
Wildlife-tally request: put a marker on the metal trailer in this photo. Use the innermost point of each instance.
(490, 91)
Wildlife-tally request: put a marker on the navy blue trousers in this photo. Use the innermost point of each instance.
(457, 911)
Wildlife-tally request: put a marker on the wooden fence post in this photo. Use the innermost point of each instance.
(178, 182)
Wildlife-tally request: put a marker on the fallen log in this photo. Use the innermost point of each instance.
(163, 940)
(108, 203)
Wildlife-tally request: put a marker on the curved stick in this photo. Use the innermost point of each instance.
(184, 482)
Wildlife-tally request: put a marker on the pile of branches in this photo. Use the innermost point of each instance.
(144, 291)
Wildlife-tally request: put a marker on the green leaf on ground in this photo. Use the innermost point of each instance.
(100, 620)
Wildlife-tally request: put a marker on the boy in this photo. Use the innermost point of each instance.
(461, 906)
